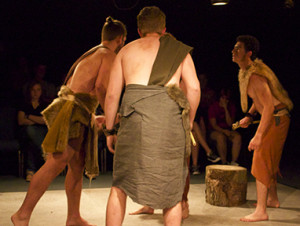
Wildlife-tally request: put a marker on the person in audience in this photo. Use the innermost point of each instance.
(201, 141)
(33, 128)
(39, 73)
(221, 116)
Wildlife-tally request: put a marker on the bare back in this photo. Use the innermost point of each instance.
(138, 58)
(133, 65)
(91, 75)
(92, 70)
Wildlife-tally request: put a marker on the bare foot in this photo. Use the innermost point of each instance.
(271, 204)
(17, 221)
(78, 222)
(143, 210)
(185, 210)
(255, 217)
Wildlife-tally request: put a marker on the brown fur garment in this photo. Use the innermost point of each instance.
(261, 69)
(178, 96)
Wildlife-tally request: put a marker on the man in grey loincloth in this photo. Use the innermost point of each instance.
(72, 136)
(156, 118)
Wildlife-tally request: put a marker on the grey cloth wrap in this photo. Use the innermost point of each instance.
(154, 136)
(149, 162)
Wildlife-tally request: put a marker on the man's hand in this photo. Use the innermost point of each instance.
(245, 122)
(110, 141)
(224, 102)
(100, 120)
(255, 143)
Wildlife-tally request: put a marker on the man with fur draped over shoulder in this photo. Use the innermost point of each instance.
(153, 140)
(272, 102)
(72, 134)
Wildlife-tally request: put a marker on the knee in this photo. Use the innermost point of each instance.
(30, 131)
(59, 160)
(117, 192)
(237, 138)
(221, 139)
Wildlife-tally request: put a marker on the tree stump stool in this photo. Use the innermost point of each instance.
(225, 185)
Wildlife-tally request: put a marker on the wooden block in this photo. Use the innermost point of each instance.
(225, 185)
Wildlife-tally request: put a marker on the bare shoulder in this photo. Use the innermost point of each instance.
(129, 47)
(256, 79)
(95, 59)
(103, 53)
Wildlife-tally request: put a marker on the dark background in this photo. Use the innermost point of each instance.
(57, 32)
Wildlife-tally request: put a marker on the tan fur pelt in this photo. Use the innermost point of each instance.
(261, 69)
(65, 117)
(78, 114)
(178, 96)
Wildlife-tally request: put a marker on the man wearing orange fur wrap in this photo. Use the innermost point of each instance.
(271, 101)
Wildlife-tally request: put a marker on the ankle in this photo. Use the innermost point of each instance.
(19, 216)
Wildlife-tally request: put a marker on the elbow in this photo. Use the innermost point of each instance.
(20, 122)
(197, 90)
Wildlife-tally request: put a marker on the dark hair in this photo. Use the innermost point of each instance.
(151, 19)
(30, 85)
(251, 44)
(224, 91)
(112, 29)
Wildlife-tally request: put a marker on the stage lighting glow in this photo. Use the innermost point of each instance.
(219, 2)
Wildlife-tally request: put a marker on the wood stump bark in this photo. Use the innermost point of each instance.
(225, 185)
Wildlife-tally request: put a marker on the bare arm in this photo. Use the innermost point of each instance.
(102, 80)
(36, 119)
(263, 95)
(246, 121)
(193, 93)
(22, 120)
(115, 86)
(229, 119)
(252, 109)
(214, 125)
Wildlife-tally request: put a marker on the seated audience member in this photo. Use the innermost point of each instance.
(221, 115)
(48, 88)
(200, 140)
(208, 96)
(33, 128)
(200, 124)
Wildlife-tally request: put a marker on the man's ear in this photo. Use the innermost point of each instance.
(249, 54)
(164, 31)
(119, 39)
(140, 33)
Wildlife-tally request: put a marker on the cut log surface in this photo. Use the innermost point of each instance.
(225, 185)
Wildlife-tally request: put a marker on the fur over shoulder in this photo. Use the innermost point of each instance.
(261, 69)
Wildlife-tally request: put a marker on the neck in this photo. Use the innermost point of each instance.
(244, 65)
(109, 45)
(153, 34)
(34, 101)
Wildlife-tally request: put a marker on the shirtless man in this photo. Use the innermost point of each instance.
(271, 101)
(147, 162)
(87, 78)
